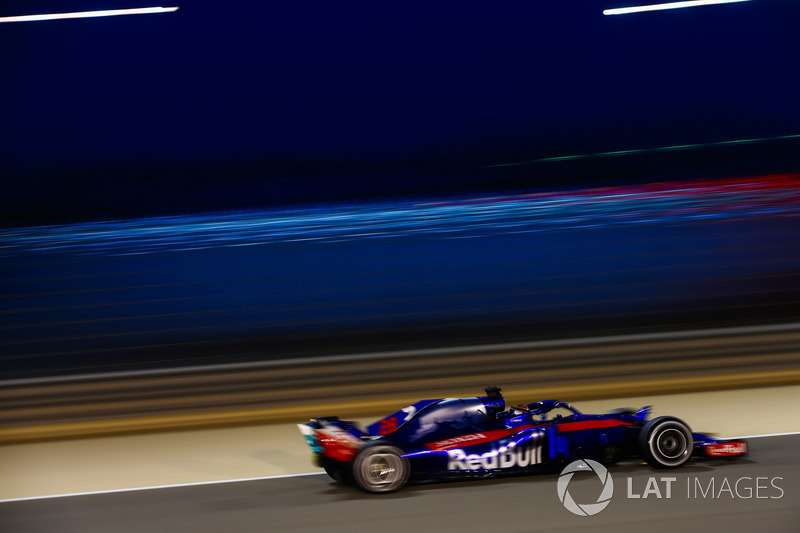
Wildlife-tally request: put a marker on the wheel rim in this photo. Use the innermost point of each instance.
(671, 444)
(382, 470)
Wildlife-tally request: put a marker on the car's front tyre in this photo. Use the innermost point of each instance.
(381, 468)
(666, 442)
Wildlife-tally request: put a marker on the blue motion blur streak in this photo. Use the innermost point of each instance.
(458, 219)
(222, 287)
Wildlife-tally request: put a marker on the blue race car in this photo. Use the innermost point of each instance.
(477, 437)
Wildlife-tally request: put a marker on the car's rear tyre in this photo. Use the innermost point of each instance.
(381, 468)
(666, 442)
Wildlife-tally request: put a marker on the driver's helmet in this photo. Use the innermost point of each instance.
(518, 410)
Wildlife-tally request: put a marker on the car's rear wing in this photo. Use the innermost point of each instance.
(333, 438)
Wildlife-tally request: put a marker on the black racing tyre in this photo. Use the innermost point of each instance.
(334, 472)
(332, 468)
(381, 468)
(666, 442)
(338, 471)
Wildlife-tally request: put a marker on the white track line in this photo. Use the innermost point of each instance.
(766, 435)
(157, 487)
(200, 483)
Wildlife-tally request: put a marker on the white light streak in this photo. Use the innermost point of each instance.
(90, 14)
(670, 5)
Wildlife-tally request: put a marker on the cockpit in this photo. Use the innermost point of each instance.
(537, 412)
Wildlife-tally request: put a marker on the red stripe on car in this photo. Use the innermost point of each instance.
(474, 438)
(488, 436)
(591, 424)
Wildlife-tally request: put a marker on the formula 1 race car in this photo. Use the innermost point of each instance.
(477, 437)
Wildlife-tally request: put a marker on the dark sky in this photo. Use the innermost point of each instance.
(370, 83)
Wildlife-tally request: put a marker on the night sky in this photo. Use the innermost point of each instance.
(224, 105)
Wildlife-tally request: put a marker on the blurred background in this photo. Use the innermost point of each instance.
(224, 184)
(218, 107)
(236, 214)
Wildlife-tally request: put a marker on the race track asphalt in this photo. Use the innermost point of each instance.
(315, 503)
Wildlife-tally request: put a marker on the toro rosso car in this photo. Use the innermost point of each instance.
(477, 437)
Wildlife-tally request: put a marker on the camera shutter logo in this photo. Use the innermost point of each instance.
(585, 509)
